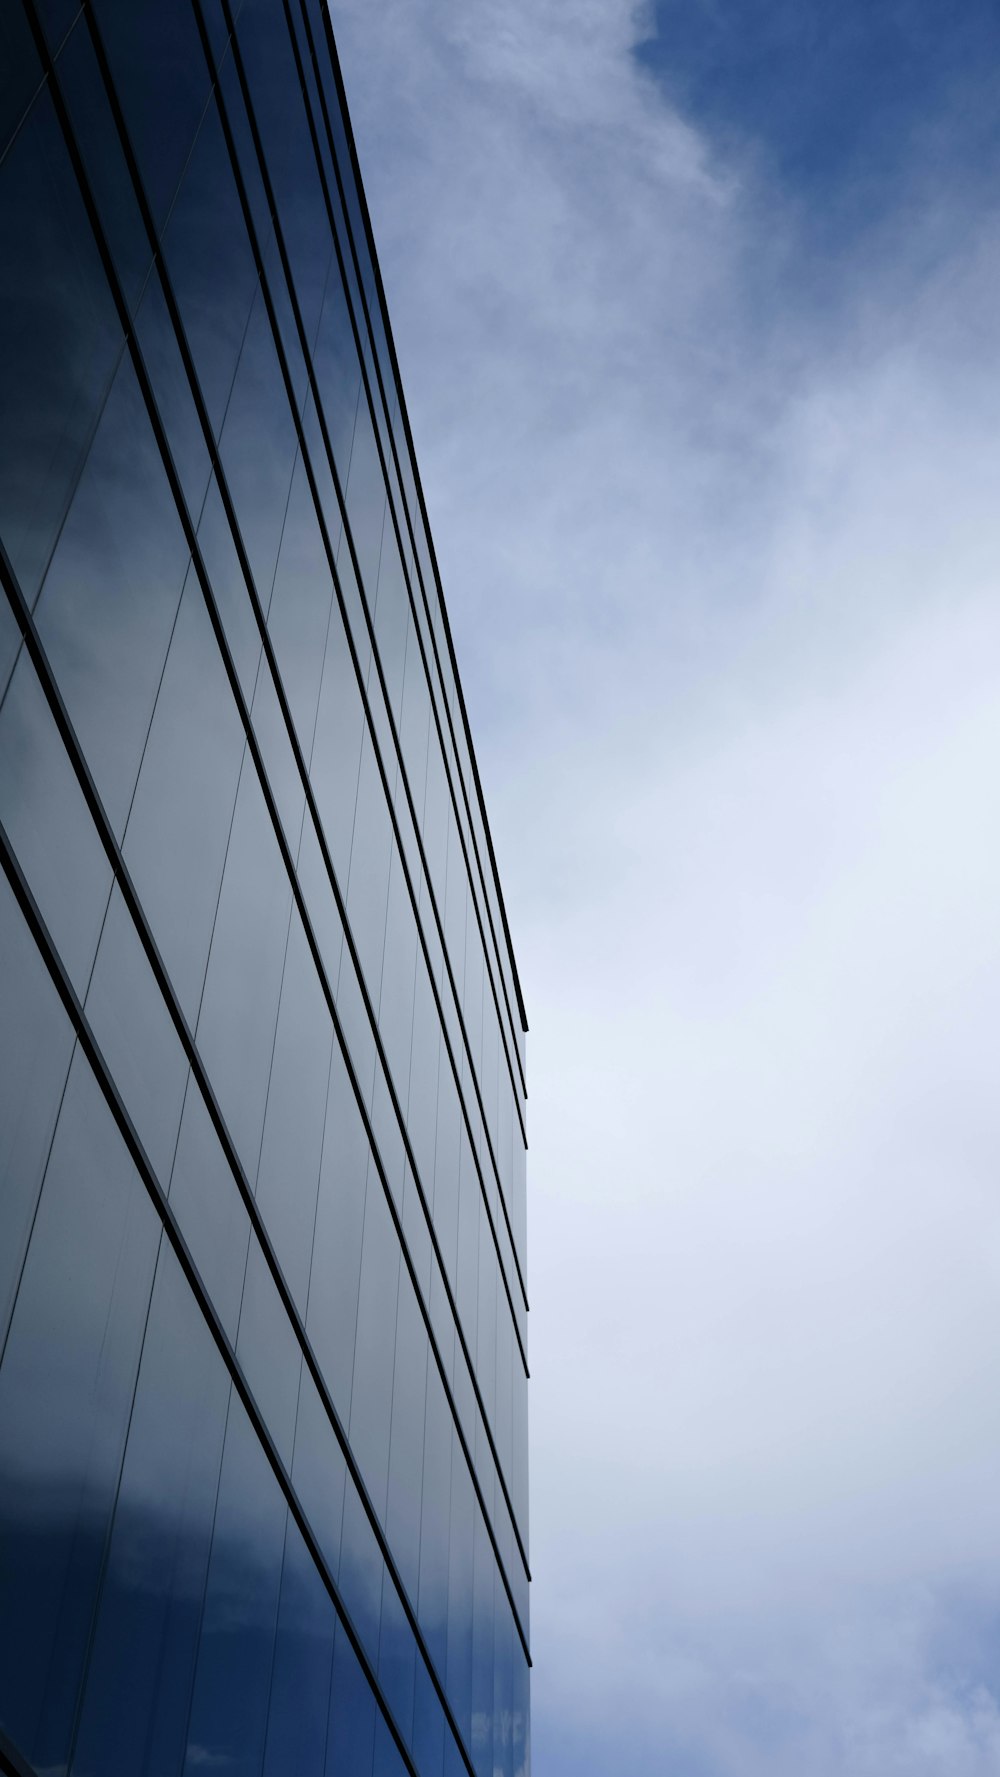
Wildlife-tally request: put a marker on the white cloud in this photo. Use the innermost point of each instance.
(723, 568)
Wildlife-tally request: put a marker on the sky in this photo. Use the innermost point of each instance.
(696, 308)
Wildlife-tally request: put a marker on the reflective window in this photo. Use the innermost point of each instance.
(337, 748)
(319, 1471)
(336, 1262)
(429, 1726)
(366, 500)
(229, 590)
(338, 373)
(233, 110)
(66, 1386)
(137, 1038)
(446, 1168)
(520, 1732)
(162, 82)
(35, 1047)
(486, 1342)
(280, 767)
(482, 1654)
(362, 1571)
(434, 1518)
(421, 1116)
(328, 1142)
(109, 600)
(135, 1707)
(503, 1689)
(229, 1703)
(93, 124)
(351, 1741)
(239, 1007)
(321, 906)
(55, 17)
(375, 1344)
(406, 1445)
(20, 71)
(48, 824)
(269, 1352)
(470, 1213)
(288, 1179)
(392, 617)
(10, 641)
(303, 1668)
(59, 343)
(415, 720)
(464, 1516)
(210, 1212)
(368, 882)
(299, 613)
(211, 266)
(178, 830)
(173, 395)
(276, 97)
(258, 448)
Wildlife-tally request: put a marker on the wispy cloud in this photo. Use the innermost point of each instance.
(720, 546)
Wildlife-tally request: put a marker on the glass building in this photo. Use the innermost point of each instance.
(263, 1428)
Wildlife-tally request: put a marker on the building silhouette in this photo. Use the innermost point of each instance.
(263, 1427)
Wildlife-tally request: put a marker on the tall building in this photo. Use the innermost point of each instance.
(263, 1431)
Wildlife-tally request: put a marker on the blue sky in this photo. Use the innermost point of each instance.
(697, 315)
(838, 100)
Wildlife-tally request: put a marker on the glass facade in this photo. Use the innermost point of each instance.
(263, 1318)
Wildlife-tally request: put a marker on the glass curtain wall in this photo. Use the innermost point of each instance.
(263, 1310)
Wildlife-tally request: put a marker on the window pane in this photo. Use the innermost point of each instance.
(66, 1388)
(337, 749)
(429, 1726)
(211, 267)
(288, 1180)
(162, 80)
(97, 137)
(233, 1676)
(276, 97)
(229, 588)
(210, 1211)
(58, 345)
(338, 373)
(392, 617)
(303, 1665)
(258, 448)
(368, 884)
(240, 1005)
(434, 1521)
(175, 843)
(139, 1680)
(336, 1263)
(319, 1471)
(137, 1038)
(397, 1657)
(20, 70)
(36, 1041)
(49, 825)
(352, 1715)
(269, 1352)
(111, 594)
(366, 500)
(482, 1654)
(10, 642)
(371, 1397)
(465, 1522)
(300, 608)
(161, 354)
